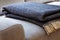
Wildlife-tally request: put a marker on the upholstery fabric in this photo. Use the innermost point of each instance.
(32, 31)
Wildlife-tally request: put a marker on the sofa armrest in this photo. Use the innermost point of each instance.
(14, 32)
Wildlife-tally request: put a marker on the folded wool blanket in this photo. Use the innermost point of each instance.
(33, 10)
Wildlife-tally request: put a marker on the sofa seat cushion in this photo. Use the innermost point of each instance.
(32, 31)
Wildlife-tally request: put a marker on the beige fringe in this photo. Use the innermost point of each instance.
(52, 26)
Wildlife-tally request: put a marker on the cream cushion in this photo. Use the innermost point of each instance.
(31, 31)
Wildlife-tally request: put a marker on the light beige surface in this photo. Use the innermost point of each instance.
(14, 32)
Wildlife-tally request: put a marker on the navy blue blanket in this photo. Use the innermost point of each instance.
(34, 11)
(42, 12)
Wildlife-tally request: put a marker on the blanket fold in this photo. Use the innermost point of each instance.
(25, 19)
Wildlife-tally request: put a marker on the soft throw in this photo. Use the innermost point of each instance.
(33, 10)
